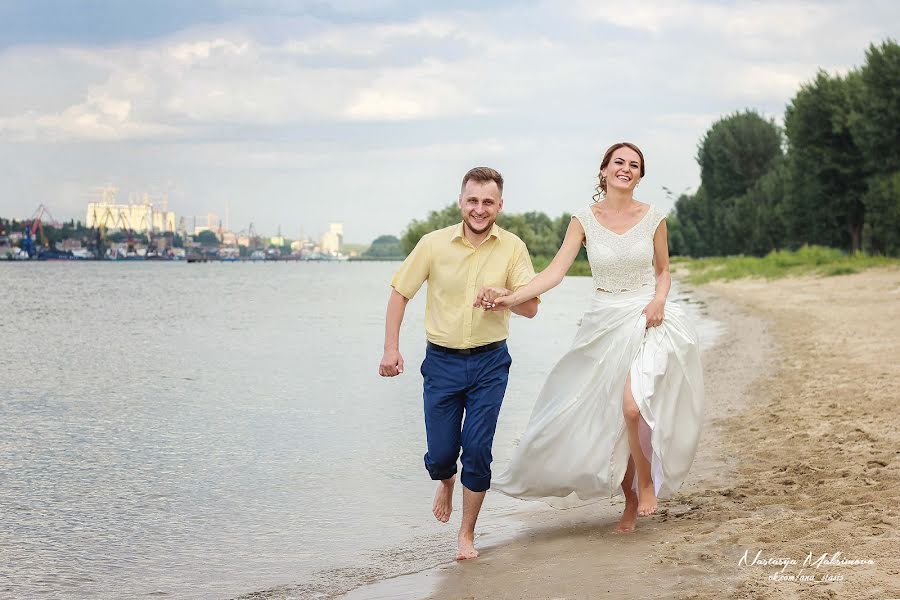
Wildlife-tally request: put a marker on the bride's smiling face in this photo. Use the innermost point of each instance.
(624, 170)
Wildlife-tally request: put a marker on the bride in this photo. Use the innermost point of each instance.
(623, 407)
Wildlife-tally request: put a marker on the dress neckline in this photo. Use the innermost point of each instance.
(627, 231)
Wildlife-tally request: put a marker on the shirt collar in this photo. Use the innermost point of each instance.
(458, 232)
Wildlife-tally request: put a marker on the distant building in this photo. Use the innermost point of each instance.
(333, 239)
(137, 217)
(212, 224)
(303, 248)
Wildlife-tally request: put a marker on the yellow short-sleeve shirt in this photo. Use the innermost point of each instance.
(456, 271)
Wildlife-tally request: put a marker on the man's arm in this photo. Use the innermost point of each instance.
(392, 362)
(526, 309)
(405, 283)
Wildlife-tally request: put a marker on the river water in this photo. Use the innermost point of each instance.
(214, 430)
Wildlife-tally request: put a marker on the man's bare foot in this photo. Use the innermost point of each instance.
(443, 500)
(647, 499)
(466, 546)
(629, 516)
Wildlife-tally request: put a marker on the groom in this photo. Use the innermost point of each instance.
(466, 362)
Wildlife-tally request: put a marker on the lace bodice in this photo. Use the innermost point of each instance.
(620, 263)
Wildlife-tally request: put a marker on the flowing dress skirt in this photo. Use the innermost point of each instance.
(575, 448)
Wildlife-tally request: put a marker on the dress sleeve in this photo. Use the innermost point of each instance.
(657, 218)
(579, 214)
(583, 214)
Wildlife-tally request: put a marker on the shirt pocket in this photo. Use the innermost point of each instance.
(494, 275)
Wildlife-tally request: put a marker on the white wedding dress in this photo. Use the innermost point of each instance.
(575, 447)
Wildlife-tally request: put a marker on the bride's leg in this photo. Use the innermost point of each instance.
(629, 515)
(646, 492)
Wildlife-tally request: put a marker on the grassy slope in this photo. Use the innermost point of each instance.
(809, 260)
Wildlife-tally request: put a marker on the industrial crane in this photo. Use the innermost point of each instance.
(36, 225)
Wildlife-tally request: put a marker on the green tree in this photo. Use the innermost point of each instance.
(385, 246)
(875, 125)
(876, 120)
(761, 212)
(827, 171)
(207, 238)
(736, 151)
(694, 216)
(676, 236)
(542, 234)
(733, 155)
(882, 233)
(536, 229)
(436, 219)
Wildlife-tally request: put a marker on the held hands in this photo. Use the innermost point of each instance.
(391, 364)
(494, 299)
(654, 312)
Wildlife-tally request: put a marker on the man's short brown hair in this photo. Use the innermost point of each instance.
(483, 175)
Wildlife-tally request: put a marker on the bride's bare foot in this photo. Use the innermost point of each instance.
(443, 500)
(647, 498)
(629, 516)
(466, 546)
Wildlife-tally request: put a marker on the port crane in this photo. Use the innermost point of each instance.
(104, 218)
(35, 225)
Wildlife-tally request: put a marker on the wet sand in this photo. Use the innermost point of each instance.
(799, 459)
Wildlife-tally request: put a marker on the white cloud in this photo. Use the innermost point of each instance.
(408, 94)
(371, 40)
(99, 118)
(166, 87)
(789, 19)
(752, 82)
(193, 52)
(159, 88)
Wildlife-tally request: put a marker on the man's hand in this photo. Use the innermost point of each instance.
(391, 364)
(487, 297)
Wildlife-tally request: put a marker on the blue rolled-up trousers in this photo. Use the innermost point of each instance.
(463, 394)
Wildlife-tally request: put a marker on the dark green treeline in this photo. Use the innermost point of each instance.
(542, 234)
(831, 177)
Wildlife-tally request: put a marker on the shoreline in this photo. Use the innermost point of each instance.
(826, 479)
(796, 472)
(553, 545)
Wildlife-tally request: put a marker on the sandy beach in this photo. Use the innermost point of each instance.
(797, 472)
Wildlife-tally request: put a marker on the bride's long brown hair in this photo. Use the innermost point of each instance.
(601, 186)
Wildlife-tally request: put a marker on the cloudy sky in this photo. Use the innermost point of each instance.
(368, 112)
